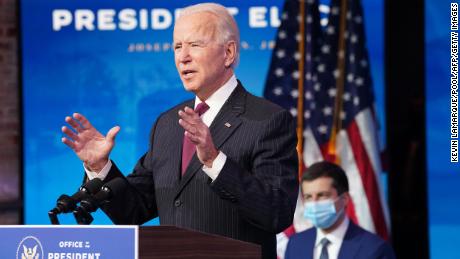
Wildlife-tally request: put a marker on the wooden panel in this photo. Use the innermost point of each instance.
(173, 242)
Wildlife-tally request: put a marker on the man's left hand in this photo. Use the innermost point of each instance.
(199, 134)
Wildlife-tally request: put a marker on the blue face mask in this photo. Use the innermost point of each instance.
(322, 214)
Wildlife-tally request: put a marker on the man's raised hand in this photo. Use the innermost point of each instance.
(87, 142)
(199, 134)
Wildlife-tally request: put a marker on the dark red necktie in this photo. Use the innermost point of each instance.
(188, 148)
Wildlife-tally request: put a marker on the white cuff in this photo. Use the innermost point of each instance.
(101, 175)
(217, 166)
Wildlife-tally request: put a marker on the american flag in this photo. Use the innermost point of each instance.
(340, 130)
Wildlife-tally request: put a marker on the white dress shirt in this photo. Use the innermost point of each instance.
(335, 238)
(215, 103)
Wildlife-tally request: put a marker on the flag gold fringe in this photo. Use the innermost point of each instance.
(300, 88)
(340, 83)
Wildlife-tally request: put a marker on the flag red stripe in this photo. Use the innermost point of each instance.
(290, 231)
(326, 155)
(368, 178)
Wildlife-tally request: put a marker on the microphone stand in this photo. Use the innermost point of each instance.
(52, 214)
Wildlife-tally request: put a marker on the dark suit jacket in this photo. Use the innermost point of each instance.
(357, 244)
(252, 199)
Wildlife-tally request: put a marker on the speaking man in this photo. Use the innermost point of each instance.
(223, 163)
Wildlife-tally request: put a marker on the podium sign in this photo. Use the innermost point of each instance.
(68, 242)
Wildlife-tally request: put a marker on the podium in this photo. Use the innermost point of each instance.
(124, 242)
(173, 242)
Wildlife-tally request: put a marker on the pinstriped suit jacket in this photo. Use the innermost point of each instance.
(252, 199)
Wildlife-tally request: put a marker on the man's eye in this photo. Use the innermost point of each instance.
(324, 196)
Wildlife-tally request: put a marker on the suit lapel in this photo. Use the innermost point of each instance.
(350, 245)
(227, 120)
(222, 127)
(309, 245)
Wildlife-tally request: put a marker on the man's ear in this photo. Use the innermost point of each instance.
(230, 53)
(346, 199)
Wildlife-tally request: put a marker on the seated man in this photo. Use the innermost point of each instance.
(325, 192)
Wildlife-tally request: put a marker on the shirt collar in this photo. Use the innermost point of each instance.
(335, 236)
(218, 98)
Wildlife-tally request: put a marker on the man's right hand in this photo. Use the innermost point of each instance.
(87, 142)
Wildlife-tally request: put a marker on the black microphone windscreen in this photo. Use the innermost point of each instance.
(90, 187)
(65, 204)
(116, 185)
(108, 190)
(94, 185)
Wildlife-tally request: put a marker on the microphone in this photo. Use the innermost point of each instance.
(67, 203)
(90, 203)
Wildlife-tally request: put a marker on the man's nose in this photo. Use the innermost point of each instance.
(184, 55)
(315, 199)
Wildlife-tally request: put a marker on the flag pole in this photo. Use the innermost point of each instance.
(340, 82)
(300, 84)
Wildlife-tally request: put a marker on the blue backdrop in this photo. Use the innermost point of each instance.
(121, 72)
(443, 176)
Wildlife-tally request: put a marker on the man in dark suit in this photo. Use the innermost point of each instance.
(224, 163)
(325, 193)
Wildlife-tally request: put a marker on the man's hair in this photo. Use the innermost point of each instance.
(327, 169)
(227, 29)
